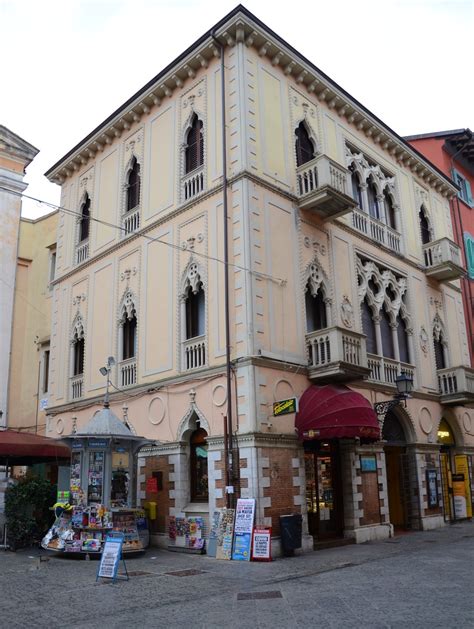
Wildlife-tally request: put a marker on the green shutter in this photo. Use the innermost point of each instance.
(469, 248)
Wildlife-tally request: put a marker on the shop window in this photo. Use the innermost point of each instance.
(120, 479)
(133, 185)
(199, 466)
(368, 328)
(84, 219)
(303, 145)
(95, 480)
(315, 310)
(195, 312)
(194, 155)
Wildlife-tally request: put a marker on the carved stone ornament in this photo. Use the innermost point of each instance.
(347, 312)
(127, 307)
(313, 243)
(125, 275)
(192, 279)
(76, 300)
(424, 340)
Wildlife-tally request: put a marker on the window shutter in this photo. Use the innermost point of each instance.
(469, 193)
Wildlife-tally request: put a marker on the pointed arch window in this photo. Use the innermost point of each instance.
(195, 311)
(84, 223)
(129, 336)
(78, 363)
(389, 209)
(356, 186)
(304, 145)
(402, 336)
(316, 317)
(194, 156)
(424, 226)
(133, 186)
(193, 319)
(77, 359)
(374, 209)
(198, 466)
(386, 333)
(440, 359)
(368, 327)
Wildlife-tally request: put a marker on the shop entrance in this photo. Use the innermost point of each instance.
(397, 470)
(446, 439)
(323, 489)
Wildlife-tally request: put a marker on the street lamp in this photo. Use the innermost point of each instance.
(404, 384)
(105, 371)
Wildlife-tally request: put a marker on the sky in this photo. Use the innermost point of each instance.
(68, 64)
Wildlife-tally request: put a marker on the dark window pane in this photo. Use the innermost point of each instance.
(315, 312)
(129, 337)
(373, 203)
(195, 146)
(386, 332)
(304, 146)
(133, 188)
(369, 328)
(195, 311)
(389, 210)
(85, 219)
(424, 227)
(198, 466)
(439, 354)
(78, 357)
(402, 340)
(356, 189)
(46, 371)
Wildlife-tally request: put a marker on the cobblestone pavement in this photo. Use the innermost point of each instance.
(415, 580)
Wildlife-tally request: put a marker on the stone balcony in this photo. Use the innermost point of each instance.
(131, 222)
(323, 187)
(336, 354)
(76, 390)
(443, 260)
(82, 251)
(456, 385)
(376, 230)
(194, 353)
(127, 372)
(385, 370)
(192, 184)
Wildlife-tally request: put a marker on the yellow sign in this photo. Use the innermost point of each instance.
(285, 406)
(462, 489)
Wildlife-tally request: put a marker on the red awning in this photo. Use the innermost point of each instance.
(25, 448)
(335, 412)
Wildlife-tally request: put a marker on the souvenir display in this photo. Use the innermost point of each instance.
(186, 533)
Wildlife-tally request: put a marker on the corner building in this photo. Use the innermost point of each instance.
(332, 294)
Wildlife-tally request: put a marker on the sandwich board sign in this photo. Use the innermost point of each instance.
(262, 543)
(111, 556)
(244, 518)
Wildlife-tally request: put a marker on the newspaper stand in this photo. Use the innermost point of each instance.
(110, 559)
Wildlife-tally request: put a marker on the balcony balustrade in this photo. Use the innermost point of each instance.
(194, 353)
(131, 222)
(82, 251)
(376, 230)
(128, 372)
(193, 184)
(385, 370)
(456, 385)
(322, 186)
(77, 387)
(336, 354)
(443, 260)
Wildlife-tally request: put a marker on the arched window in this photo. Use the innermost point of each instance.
(439, 352)
(85, 219)
(402, 340)
(194, 145)
(195, 311)
(129, 336)
(386, 333)
(374, 209)
(133, 185)
(356, 187)
(315, 310)
(78, 351)
(304, 145)
(368, 327)
(424, 226)
(392, 430)
(389, 209)
(198, 466)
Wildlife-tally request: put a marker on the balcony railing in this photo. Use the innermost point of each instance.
(322, 186)
(192, 184)
(376, 230)
(194, 353)
(82, 251)
(128, 372)
(385, 370)
(443, 260)
(456, 385)
(131, 222)
(77, 386)
(336, 354)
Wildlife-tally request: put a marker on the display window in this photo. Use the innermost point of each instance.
(120, 482)
(95, 477)
(199, 472)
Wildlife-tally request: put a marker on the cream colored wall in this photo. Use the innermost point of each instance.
(31, 322)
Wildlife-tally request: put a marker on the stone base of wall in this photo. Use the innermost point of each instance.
(159, 540)
(428, 523)
(370, 533)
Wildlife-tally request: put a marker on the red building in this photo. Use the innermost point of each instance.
(453, 153)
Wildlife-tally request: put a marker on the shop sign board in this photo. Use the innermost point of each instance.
(285, 407)
(459, 495)
(368, 463)
(152, 485)
(244, 519)
(262, 543)
(225, 534)
(432, 488)
(98, 443)
(462, 467)
(111, 556)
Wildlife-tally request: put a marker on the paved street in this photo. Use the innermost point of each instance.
(416, 580)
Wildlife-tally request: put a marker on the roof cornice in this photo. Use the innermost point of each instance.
(242, 26)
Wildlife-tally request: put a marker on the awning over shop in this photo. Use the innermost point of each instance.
(25, 448)
(335, 412)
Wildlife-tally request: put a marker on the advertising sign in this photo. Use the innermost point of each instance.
(225, 533)
(111, 556)
(244, 518)
(152, 485)
(284, 407)
(459, 496)
(432, 488)
(462, 467)
(262, 544)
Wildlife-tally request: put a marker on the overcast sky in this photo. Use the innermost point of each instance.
(68, 64)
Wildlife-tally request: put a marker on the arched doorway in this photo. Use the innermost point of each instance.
(447, 443)
(397, 470)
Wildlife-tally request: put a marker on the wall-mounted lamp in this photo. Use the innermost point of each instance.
(404, 384)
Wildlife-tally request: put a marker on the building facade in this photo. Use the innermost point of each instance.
(453, 153)
(331, 291)
(29, 364)
(15, 155)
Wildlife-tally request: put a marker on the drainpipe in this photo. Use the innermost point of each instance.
(226, 270)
